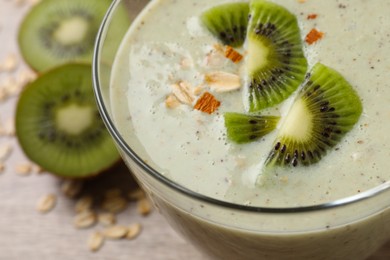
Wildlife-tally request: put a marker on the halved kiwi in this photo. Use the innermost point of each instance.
(58, 31)
(59, 127)
(243, 128)
(228, 22)
(276, 64)
(326, 108)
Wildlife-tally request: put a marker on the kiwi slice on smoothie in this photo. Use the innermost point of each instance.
(325, 109)
(243, 128)
(58, 31)
(276, 64)
(228, 22)
(59, 127)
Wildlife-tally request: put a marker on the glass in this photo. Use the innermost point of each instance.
(350, 228)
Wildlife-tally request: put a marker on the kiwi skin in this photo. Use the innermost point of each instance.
(328, 108)
(63, 154)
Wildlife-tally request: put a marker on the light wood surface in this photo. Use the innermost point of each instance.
(27, 234)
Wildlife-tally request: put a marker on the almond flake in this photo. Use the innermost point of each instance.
(95, 241)
(24, 169)
(171, 101)
(133, 231)
(115, 232)
(223, 81)
(84, 204)
(85, 219)
(5, 152)
(313, 36)
(138, 194)
(183, 92)
(46, 203)
(114, 204)
(71, 188)
(10, 63)
(144, 207)
(207, 103)
(107, 219)
(233, 55)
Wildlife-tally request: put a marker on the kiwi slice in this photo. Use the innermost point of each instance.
(59, 127)
(228, 22)
(276, 64)
(325, 109)
(243, 128)
(58, 31)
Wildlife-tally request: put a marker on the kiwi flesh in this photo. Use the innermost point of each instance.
(59, 127)
(228, 22)
(242, 128)
(325, 109)
(276, 64)
(58, 31)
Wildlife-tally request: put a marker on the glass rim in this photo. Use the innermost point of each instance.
(373, 192)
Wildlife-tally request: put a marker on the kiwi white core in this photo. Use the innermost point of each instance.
(298, 124)
(74, 119)
(72, 30)
(257, 55)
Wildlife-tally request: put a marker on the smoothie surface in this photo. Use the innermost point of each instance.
(168, 44)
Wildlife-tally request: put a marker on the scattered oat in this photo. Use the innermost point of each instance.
(233, 55)
(84, 204)
(3, 94)
(38, 169)
(24, 169)
(95, 241)
(133, 231)
(115, 232)
(12, 87)
(186, 63)
(198, 90)
(183, 92)
(137, 194)
(114, 204)
(2, 167)
(71, 188)
(220, 81)
(46, 203)
(284, 179)
(5, 152)
(107, 219)
(85, 219)
(26, 76)
(144, 206)
(216, 57)
(207, 103)
(10, 63)
(171, 101)
(9, 127)
(313, 36)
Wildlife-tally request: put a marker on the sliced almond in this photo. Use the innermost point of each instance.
(171, 101)
(46, 203)
(144, 206)
(24, 169)
(107, 219)
(220, 81)
(138, 194)
(85, 219)
(207, 103)
(114, 204)
(233, 55)
(95, 241)
(5, 151)
(183, 92)
(84, 204)
(115, 232)
(71, 188)
(133, 231)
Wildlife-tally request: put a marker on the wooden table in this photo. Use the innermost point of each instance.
(27, 234)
